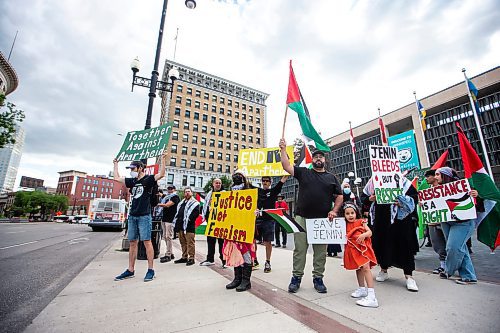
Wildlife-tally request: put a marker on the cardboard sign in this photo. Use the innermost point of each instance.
(263, 161)
(324, 231)
(447, 202)
(144, 144)
(386, 173)
(232, 215)
(407, 149)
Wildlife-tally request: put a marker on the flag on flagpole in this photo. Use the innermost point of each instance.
(199, 224)
(304, 157)
(488, 221)
(422, 113)
(383, 135)
(442, 160)
(286, 221)
(473, 93)
(295, 102)
(353, 145)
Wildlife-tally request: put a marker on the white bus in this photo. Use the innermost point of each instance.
(107, 213)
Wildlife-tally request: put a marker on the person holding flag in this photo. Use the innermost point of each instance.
(279, 230)
(317, 190)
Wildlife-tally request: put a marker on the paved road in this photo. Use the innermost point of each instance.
(37, 260)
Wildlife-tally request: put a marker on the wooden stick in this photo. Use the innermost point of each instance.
(284, 122)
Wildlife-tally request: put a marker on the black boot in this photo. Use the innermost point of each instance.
(245, 278)
(237, 278)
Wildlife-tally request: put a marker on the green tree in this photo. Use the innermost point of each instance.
(36, 202)
(9, 118)
(226, 183)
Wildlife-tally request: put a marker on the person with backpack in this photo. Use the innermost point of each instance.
(169, 204)
(139, 217)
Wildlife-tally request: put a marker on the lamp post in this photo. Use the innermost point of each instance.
(154, 84)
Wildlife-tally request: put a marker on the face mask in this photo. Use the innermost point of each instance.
(347, 191)
(134, 174)
(237, 180)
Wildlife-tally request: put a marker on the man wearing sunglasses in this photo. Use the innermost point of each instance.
(139, 217)
(267, 196)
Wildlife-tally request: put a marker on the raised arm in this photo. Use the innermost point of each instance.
(285, 162)
(163, 162)
(116, 174)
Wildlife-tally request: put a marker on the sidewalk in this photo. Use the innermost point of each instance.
(193, 299)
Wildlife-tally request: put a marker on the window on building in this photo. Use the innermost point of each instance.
(228, 123)
(221, 121)
(257, 140)
(202, 165)
(189, 91)
(185, 138)
(188, 101)
(221, 110)
(196, 116)
(178, 99)
(214, 108)
(250, 128)
(257, 120)
(235, 147)
(196, 104)
(229, 102)
(187, 114)
(219, 167)
(228, 157)
(228, 134)
(236, 125)
(221, 132)
(211, 154)
(183, 163)
(184, 150)
(203, 153)
(204, 129)
(179, 87)
(210, 167)
(170, 178)
(228, 145)
(212, 130)
(205, 106)
(243, 137)
(229, 113)
(200, 182)
(176, 123)
(220, 144)
(237, 104)
(195, 139)
(192, 164)
(195, 127)
(184, 180)
(193, 151)
(177, 111)
(243, 106)
(228, 168)
(236, 135)
(237, 115)
(214, 98)
(212, 142)
(206, 95)
(175, 136)
(203, 141)
(250, 108)
(205, 117)
(235, 158)
(186, 125)
(213, 120)
(244, 127)
(198, 93)
(243, 116)
(221, 100)
(258, 112)
(173, 149)
(250, 139)
(257, 130)
(173, 161)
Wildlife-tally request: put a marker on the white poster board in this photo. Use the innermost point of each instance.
(447, 202)
(324, 231)
(386, 173)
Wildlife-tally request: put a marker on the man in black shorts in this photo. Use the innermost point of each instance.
(265, 224)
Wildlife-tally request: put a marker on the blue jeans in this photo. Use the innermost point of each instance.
(457, 254)
(139, 227)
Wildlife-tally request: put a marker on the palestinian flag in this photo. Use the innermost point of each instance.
(199, 224)
(487, 222)
(302, 155)
(295, 102)
(442, 160)
(286, 221)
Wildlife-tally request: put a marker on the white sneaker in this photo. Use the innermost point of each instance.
(382, 276)
(360, 292)
(207, 263)
(368, 302)
(411, 285)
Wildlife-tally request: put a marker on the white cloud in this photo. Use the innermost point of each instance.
(73, 61)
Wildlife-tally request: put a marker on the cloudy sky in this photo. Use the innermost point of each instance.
(350, 57)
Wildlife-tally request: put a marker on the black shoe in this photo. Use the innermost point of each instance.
(444, 275)
(334, 254)
(294, 284)
(237, 278)
(165, 259)
(429, 244)
(246, 274)
(284, 246)
(181, 261)
(277, 245)
(190, 262)
(438, 270)
(319, 285)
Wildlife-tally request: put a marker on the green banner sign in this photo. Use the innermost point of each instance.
(144, 144)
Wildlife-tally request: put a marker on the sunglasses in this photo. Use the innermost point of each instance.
(266, 181)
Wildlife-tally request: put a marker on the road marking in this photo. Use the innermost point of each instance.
(8, 247)
(77, 240)
(15, 232)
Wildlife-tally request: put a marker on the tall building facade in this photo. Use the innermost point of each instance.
(444, 109)
(213, 118)
(10, 157)
(8, 76)
(30, 182)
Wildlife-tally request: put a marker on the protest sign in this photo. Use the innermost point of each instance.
(447, 202)
(232, 215)
(144, 144)
(407, 149)
(386, 173)
(151, 169)
(324, 231)
(263, 161)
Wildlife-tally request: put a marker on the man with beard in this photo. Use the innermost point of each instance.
(184, 224)
(318, 189)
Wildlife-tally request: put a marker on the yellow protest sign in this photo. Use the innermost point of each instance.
(232, 215)
(263, 161)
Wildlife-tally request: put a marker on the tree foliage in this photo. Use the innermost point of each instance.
(36, 202)
(9, 118)
(226, 183)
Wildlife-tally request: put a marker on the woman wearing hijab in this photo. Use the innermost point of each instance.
(457, 233)
(237, 254)
(394, 238)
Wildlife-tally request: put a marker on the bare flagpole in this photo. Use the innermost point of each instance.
(353, 149)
